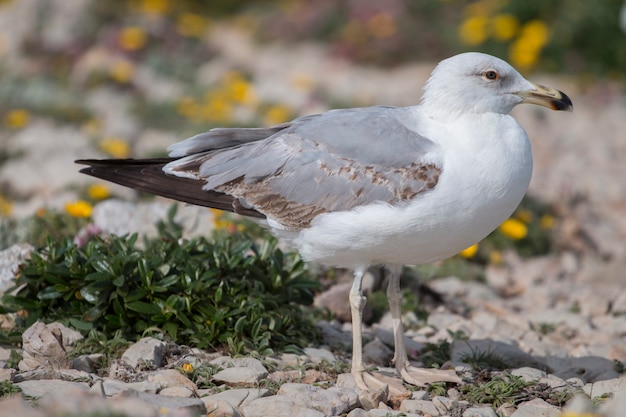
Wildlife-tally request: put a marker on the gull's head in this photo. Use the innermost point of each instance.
(479, 83)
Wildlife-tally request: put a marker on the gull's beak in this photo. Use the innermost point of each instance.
(547, 97)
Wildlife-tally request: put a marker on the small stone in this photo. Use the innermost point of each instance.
(182, 392)
(221, 409)
(88, 363)
(147, 353)
(317, 355)
(39, 388)
(377, 352)
(69, 336)
(334, 337)
(479, 412)
(111, 386)
(10, 260)
(536, 408)
(420, 395)
(529, 374)
(358, 412)
(553, 381)
(387, 338)
(235, 397)
(251, 363)
(600, 388)
(420, 407)
(7, 374)
(164, 403)
(167, 378)
(278, 406)
(335, 300)
(239, 376)
(506, 410)
(443, 404)
(332, 401)
(43, 348)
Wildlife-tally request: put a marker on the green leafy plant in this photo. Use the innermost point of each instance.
(7, 389)
(497, 391)
(233, 292)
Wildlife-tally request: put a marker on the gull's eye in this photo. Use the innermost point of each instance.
(491, 75)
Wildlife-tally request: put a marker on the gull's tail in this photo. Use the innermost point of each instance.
(147, 175)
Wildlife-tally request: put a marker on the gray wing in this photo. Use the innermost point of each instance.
(334, 161)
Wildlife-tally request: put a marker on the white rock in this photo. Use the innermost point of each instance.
(10, 260)
(7, 374)
(332, 401)
(146, 353)
(536, 408)
(599, 388)
(420, 407)
(235, 397)
(278, 406)
(251, 363)
(239, 375)
(166, 378)
(182, 392)
(111, 386)
(479, 412)
(317, 355)
(39, 388)
(43, 348)
(529, 374)
(221, 409)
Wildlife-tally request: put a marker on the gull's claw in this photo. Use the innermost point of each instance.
(424, 376)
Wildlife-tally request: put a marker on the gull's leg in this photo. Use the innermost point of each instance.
(410, 374)
(357, 304)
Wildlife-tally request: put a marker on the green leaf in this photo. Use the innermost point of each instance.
(143, 307)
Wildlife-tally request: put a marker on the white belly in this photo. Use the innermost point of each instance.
(481, 184)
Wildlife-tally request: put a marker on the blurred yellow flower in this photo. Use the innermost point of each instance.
(526, 49)
(236, 88)
(474, 30)
(16, 118)
(495, 257)
(382, 25)
(526, 216)
(132, 38)
(469, 252)
(122, 71)
(504, 27)
(576, 414)
(547, 221)
(535, 33)
(6, 207)
(98, 191)
(115, 147)
(188, 107)
(157, 7)
(514, 229)
(302, 82)
(217, 107)
(91, 127)
(187, 368)
(191, 25)
(79, 208)
(277, 114)
(483, 7)
(78, 295)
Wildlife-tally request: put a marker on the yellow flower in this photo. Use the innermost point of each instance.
(191, 25)
(115, 147)
(514, 229)
(187, 368)
(525, 215)
(523, 55)
(504, 27)
(6, 207)
(188, 107)
(473, 30)
(575, 414)
(236, 88)
(469, 252)
(132, 38)
(98, 191)
(547, 221)
(535, 33)
(302, 82)
(79, 208)
(217, 107)
(277, 114)
(16, 118)
(122, 71)
(495, 257)
(157, 7)
(382, 26)
(91, 127)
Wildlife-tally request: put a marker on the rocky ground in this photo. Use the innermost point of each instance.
(557, 319)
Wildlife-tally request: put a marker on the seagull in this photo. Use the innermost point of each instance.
(368, 186)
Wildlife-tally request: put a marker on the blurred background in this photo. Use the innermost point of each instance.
(127, 78)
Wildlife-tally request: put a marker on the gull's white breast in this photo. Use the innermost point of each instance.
(486, 168)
